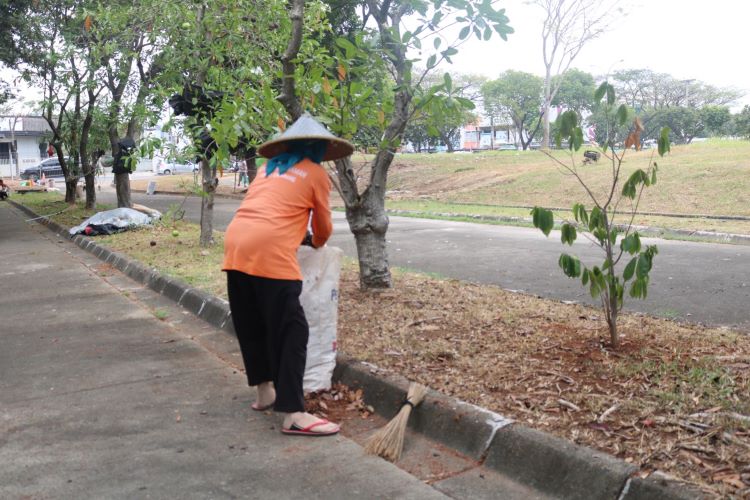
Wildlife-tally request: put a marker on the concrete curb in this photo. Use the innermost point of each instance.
(541, 461)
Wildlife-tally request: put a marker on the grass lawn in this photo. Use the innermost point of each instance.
(708, 178)
(711, 177)
(675, 397)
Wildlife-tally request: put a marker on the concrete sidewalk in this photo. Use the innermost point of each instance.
(100, 399)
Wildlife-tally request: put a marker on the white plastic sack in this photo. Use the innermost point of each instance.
(120, 217)
(320, 299)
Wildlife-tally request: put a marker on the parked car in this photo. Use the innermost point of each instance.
(49, 167)
(506, 147)
(165, 167)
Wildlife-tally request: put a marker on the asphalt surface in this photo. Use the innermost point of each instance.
(697, 282)
(100, 399)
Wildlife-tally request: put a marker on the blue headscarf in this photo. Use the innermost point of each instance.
(297, 150)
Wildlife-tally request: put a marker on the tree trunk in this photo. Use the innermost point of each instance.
(369, 223)
(122, 186)
(612, 324)
(88, 168)
(207, 204)
(545, 126)
(446, 138)
(252, 169)
(90, 191)
(70, 190)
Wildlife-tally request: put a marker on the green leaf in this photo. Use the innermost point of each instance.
(631, 244)
(579, 212)
(596, 219)
(348, 47)
(643, 266)
(600, 91)
(437, 42)
(543, 219)
(622, 114)
(585, 278)
(629, 269)
(431, 61)
(464, 32)
(610, 94)
(570, 265)
(576, 138)
(450, 51)
(613, 235)
(639, 288)
(487, 33)
(406, 37)
(568, 234)
(663, 141)
(448, 82)
(466, 103)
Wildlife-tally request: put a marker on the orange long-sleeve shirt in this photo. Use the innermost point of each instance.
(267, 229)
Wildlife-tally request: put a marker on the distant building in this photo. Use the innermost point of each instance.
(484, 135)
(27, 136)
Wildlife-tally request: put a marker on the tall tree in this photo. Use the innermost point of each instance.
(569, 25)
(348, 104)
(223, 61)
(741, 123)
(517, 96)
(53, 57)
(130, 37)
(575, 91)
(644, 89)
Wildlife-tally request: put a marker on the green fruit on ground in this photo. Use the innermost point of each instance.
(175, 233)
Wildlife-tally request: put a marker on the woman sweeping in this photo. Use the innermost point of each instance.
(264, 281)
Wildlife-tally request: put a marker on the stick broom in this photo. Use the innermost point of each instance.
(388, 442)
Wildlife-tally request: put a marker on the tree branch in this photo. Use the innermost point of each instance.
(288, 95)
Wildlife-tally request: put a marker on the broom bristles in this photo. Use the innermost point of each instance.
(388, 442)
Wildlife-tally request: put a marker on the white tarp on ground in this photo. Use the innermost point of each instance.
(320, 299)
(119, 217)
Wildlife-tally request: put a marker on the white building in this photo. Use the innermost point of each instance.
(29, 136)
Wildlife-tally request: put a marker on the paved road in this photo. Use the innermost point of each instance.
(700, 282)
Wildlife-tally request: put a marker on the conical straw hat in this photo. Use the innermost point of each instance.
(305, 128)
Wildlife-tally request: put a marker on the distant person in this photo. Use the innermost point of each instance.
(243, 174)
(264, 281)
(4, 190)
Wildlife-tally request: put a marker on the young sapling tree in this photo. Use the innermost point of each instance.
(598, 222)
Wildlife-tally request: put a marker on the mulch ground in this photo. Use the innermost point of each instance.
(673, 397)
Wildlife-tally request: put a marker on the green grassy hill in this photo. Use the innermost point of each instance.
(711, 177)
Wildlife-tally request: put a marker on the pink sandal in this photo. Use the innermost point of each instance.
(296, 430)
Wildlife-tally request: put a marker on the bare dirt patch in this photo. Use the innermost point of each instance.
(674, 397)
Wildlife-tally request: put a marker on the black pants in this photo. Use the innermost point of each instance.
(272, 330)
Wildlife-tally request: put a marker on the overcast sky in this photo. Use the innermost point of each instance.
(689, 39)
